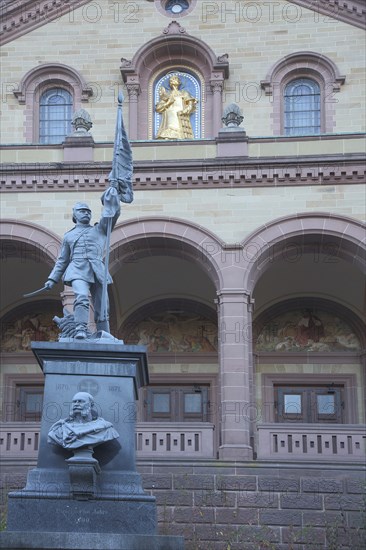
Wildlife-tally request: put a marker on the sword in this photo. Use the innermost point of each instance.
(35, 292)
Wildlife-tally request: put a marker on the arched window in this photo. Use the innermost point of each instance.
(302, 107)
(57, 90)
(303, 87)
(55, 112)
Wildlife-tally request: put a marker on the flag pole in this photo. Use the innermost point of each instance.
(113, 178)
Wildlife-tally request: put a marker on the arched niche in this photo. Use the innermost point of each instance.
(29, 322)
(28, 254)
(163, 258)
(173, 50)
(288, 238)
(308, 325)
(173, 326)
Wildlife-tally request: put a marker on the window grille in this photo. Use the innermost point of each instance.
(55, 113)
(302, 107)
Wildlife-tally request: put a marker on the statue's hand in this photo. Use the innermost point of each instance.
(49, 284)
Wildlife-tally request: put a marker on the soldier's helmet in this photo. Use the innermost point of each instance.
(79, 206)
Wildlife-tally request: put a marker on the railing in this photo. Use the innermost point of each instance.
(21, 440)
(175, 439)
(343, 442)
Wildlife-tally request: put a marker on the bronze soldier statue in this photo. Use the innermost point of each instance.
(83, 260)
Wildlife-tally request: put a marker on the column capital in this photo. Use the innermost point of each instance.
(134, 90)
(217, 86)
(234, 295)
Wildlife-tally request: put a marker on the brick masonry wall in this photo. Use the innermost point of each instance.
(255, 506)
(92, 39)
(230, 214)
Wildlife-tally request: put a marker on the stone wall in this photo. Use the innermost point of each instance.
(253, 506)
(233, 506)
(93, 38)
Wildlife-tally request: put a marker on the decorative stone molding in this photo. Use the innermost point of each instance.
(41, 78)
(52, 73)
(304, 64)
(174, 28)
(29, 239)
(268, 242)
(204, 174)
(81, 122)
(348, 11)
(232, 116)
(175, 48)
(20, 17)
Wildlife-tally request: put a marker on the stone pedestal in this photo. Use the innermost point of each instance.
(98, 498)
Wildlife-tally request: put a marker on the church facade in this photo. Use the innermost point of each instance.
(239, 265)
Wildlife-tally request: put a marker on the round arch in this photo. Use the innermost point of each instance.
(262, 247)
(24, 237)
(168, 236)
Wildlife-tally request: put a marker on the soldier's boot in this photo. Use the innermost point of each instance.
(81, 333)
(81, 316)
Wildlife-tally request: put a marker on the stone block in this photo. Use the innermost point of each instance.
(344, 502)
(302, 502)
(278, 484)
(216, 532)
(187, 481)
(174, 498)
(310, 536)
(88, 541)
(194, 515)
(214, 498)
(321, 485)
(131, 516)
(257, 534)
(356, 485)
(322, 519)
(279, 517)
(238, 516)
(236, 483)
(258, 500)
(156, 481)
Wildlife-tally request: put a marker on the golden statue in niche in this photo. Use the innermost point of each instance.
(175, 108)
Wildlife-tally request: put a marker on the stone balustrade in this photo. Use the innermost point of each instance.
(341, 442)
(189, 440)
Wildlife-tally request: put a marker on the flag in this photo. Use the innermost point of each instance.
(120, 176)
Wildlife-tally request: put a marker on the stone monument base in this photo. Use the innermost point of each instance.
(132, 516)
(87, 541)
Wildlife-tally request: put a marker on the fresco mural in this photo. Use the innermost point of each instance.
(183, 332)
(307, 330)
(17, 332)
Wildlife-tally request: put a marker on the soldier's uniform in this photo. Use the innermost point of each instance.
(81, 266)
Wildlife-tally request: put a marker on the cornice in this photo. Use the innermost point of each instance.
(348, 11)
(194, 174)
(18, 17)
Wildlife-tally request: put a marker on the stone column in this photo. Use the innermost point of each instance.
(134, 90)
(235, 319)
(217, 86)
